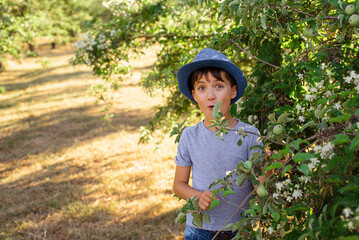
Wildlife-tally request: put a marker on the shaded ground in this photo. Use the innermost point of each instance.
(65, 173)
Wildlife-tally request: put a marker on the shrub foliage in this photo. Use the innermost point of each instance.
(301, 60)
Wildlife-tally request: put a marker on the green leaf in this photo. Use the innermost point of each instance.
(214, 203)
(282, 117)
(332, 163)
(302, 156)
(206, 217)
(335, 119)
(341, 139)
(276, 156)
(304, 236)
(256, 147)
(216, 110)
(239, 143)
(323, 112)
(251, 211)
(240, 179)
(355, 143)
(276, 216)
(263, 20)
(197, 220)
(341, 18)
(295, 144)
(181, 218)
(351, 187)
(333, 179)
(228, 192)
(308, 124)
(271, 117)
(256, 207)
(304, 169)
(286, 169)
(349, 238)
(274, 166)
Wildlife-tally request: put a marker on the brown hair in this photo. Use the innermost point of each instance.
(215, 71)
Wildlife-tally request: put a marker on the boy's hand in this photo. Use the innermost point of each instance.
(205, 200)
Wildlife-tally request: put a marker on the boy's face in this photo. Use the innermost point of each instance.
(208, 91)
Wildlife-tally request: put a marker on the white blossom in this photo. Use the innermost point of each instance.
(327, 151)
(353, 74)
(275, 195)
(300, 76)
(328, 94)
(297, 193)
(279, 186)
(113, 33)
(287, 181)
(313, 89)
(311, 167)
(289, 198)
(301, 119)
(348, 79)
(299, 108)
(321, 84)
(88, 62)
(270, 230)
(304, 179)
(314, 161)
(347, 212)
(309, 97)
(329, 73)
(317, 148)
(337, 106)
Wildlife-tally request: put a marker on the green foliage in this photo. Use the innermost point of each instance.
(301, 60)
(24, 20)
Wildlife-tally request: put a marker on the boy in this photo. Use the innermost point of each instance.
(209, 79)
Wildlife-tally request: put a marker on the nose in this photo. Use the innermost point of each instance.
(211, 95)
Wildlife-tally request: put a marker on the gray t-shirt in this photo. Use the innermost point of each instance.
(211, 158)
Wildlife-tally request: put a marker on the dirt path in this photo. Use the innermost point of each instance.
(64, 173)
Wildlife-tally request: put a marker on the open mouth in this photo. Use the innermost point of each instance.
(211, 107)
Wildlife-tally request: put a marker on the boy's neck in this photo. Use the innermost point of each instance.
(232, 123)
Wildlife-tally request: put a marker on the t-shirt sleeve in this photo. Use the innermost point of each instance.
(183, 158)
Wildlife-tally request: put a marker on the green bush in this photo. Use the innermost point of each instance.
(301, 60)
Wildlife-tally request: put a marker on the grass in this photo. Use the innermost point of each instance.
(64, 173)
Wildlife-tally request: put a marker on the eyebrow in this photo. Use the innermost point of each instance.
(202, 81)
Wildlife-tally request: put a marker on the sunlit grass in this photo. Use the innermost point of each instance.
(66, 174)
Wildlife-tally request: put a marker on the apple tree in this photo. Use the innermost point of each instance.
(301, 61)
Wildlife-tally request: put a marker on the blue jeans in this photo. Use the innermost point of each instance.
(192, 233)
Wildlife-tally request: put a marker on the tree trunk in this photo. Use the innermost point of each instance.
(31, 47)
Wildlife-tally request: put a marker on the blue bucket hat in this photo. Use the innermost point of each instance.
(210, 58)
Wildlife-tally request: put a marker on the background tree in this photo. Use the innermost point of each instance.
(22, 21)
(301, 59)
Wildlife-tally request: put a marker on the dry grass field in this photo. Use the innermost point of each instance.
(67, 174)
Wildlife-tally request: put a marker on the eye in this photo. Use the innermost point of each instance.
(200, 88)
(220, 85)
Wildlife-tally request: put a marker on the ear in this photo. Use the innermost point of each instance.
(194, 95)
(234, 92)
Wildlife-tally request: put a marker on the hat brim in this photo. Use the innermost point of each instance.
(185, 71)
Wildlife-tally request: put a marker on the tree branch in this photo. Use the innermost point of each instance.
(254, 56)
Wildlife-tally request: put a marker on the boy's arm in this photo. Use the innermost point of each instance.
(185, 191)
